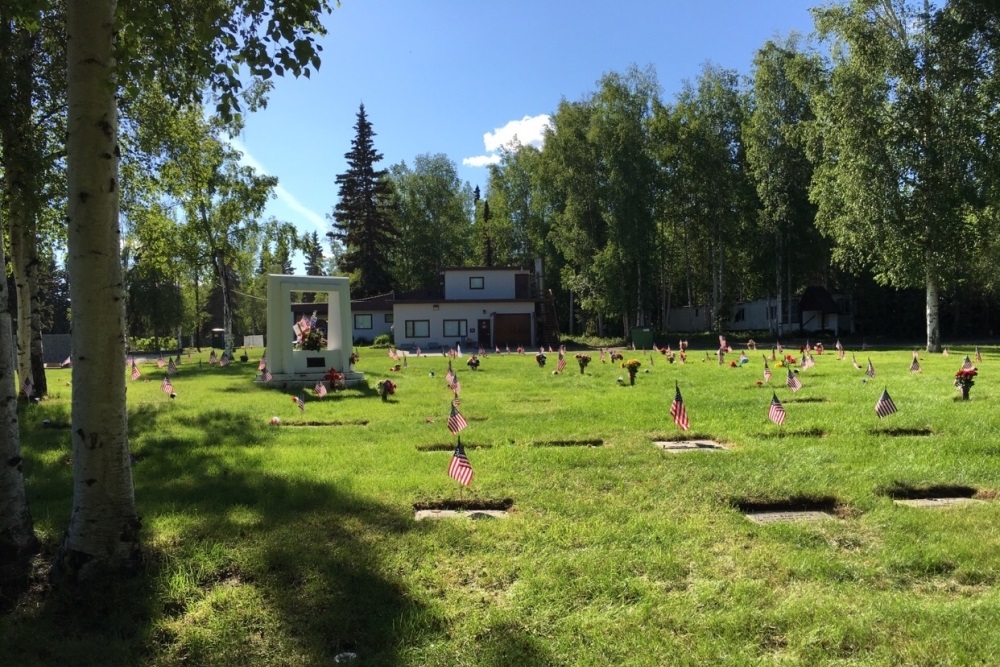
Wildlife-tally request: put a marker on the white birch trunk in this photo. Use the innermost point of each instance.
(103, 531)
(933, 307)
(17, 535)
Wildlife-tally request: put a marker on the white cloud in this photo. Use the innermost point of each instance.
(481, 160)
(529, 131)
(283, 195)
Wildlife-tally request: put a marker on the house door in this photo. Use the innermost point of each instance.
(483, 331)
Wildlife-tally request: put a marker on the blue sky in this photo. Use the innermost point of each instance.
(461, 78)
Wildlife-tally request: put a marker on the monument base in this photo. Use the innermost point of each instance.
(309, 379)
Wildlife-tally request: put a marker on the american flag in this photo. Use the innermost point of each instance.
(885, 406)
(456, 422)
(266, 376)
(449, 377)
(808, 361)
(320, 389)
(160, 363)
(171, 367)
(870, 371)
(945, 352)
(262, 366)
(767, 371)
(915, 365)
(129, 360)
(135, 372)
(27, 387)
(301, 402)
(678, 412)
(602, 355)
(561, 364)
(776, 412)
(456, 401)
(967, 364)
(460, 469)
(854, 360)
(793, 382)
(212, 359)
(67, 363)
(650, 358)
(839, 347)
(167, 387)
(979, 356)
(418, 352)
(224, 360)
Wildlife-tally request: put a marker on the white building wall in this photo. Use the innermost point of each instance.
(381, 323)
(470, 313)
(459, 284)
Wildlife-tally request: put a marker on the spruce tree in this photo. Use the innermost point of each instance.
(313, 254)
(363, 219)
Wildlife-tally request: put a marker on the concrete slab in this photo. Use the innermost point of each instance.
(421, 515)
(935, 502)
(682, 446)
(788, 517)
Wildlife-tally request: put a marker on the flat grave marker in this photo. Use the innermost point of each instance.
(682, 446)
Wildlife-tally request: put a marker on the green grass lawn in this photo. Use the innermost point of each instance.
(291, 545)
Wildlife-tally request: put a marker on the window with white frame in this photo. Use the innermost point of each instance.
(477, 282)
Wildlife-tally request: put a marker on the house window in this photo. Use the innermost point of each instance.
(363, 321)
(455, 328)
(418, 328)
(477, 283)
(740, 315)
(388, 318)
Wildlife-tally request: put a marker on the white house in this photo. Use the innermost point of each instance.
(473, 306)
(814, 311)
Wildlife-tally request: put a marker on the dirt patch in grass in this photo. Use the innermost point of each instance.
(899, 432)
(807, 399)
(315, 423)
(450, 447)
(476, 419)
(901, 491)
(792, 504)
(593, 442)
(469, 504)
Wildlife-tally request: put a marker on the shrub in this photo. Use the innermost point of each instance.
(383, 341)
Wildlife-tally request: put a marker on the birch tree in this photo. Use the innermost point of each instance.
(897, 131)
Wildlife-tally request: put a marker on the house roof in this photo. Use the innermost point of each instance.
(818, 298)
(380, 302)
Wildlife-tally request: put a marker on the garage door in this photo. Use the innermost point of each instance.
(512, 329)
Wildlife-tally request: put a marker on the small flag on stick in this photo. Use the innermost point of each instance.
(27, 387)
(967, 364)
(301, 402)
(793, 382)
(456, 422)
(320, 389)
(135, 372)
(262, 366)
(767, 371)
(167, 387)
(776, 412)
(885, 406)
(870, 371)
(979, 356)
(460, 469)
(171, 367)
(677, 410)
(266, 376)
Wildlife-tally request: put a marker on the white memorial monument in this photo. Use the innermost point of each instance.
(307, 367)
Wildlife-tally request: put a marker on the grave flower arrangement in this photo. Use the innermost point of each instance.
(583, 360)
(354, 358)
(616, 356)
(632, 366)
(314, 340)
(385, 388)
(335, 379)
(964, 379)
(540, 359)
(473, 362)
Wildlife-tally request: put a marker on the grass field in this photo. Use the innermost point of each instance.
(292, 545)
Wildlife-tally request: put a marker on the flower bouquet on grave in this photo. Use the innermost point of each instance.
(354, 358)
(314, 340)
(473, 362)
(964, 380)
(540, 359)
(583, 360)
(616, 356)
(335, 379)
(385, 389)
(632, 366)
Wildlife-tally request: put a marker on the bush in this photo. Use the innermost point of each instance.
(137, 344)
(383, 341)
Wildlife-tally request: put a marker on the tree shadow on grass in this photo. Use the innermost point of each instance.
(246, 567)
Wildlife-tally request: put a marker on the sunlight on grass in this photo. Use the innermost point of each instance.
(291, 544)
